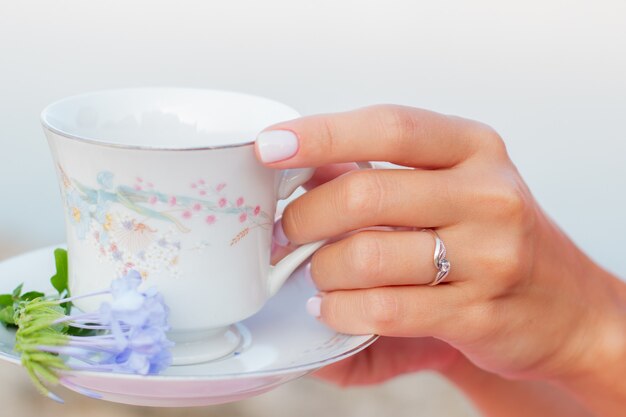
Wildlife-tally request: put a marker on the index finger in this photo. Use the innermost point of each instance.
(401, 135)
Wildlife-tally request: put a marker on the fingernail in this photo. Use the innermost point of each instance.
(314, 306)
(277, 145)
(279, 234)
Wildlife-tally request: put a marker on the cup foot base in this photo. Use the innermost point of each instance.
(198, 347)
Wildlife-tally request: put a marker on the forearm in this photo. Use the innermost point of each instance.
(496, 396)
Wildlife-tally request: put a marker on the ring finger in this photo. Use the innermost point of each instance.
(370, 259)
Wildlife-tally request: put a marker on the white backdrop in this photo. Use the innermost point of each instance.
(549, 75)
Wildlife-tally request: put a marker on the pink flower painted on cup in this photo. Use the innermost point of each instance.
(179, 210)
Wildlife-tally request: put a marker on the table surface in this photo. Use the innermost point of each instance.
(416, 395)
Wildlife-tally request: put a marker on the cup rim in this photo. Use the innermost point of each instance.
(100, 142)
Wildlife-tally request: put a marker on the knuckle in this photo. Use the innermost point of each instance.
(319, 266)
(514, 262)
(506, 256)
(506, 264)
(507, 200)
(396, 123)
(361, 193)
(294, 223)
(331, 309)
(398, 120)
(364, 256)
(328, 136)
(488, 140)
(491, 139)
(381, 310)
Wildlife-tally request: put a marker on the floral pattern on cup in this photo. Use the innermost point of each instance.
(138, 227)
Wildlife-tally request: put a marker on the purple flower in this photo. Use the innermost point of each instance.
(137, 324)
(131, 333)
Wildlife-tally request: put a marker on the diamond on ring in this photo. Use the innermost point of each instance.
(444, 265)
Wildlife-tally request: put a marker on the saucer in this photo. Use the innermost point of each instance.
(280, 343)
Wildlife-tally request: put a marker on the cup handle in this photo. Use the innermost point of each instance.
(288, 181)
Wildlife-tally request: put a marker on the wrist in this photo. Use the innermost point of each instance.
(590, 325)
(596, 379)
(603, 341)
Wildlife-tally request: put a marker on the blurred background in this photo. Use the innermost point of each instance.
(547, 74)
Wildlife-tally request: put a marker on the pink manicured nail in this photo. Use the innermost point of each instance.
(314, 306)
(280, 238)
(277, 145)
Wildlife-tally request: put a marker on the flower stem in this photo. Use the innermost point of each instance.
(78, 297)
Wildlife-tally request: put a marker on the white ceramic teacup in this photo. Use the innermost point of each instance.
(165, 181)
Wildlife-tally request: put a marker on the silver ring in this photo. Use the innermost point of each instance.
(439, 258)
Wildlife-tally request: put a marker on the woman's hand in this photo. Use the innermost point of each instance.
(520, 301)
(390, 357)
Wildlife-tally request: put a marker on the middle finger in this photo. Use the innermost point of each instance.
(361, 199)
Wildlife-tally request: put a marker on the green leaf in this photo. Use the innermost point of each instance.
(59, 280)
(31, 295)
(67, 307)
(7, 315)
(18, 290)
(6, 300)
(75, 331)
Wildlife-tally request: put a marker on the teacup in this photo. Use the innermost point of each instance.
(164, 181)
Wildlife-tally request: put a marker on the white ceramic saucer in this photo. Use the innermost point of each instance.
(282, 342)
